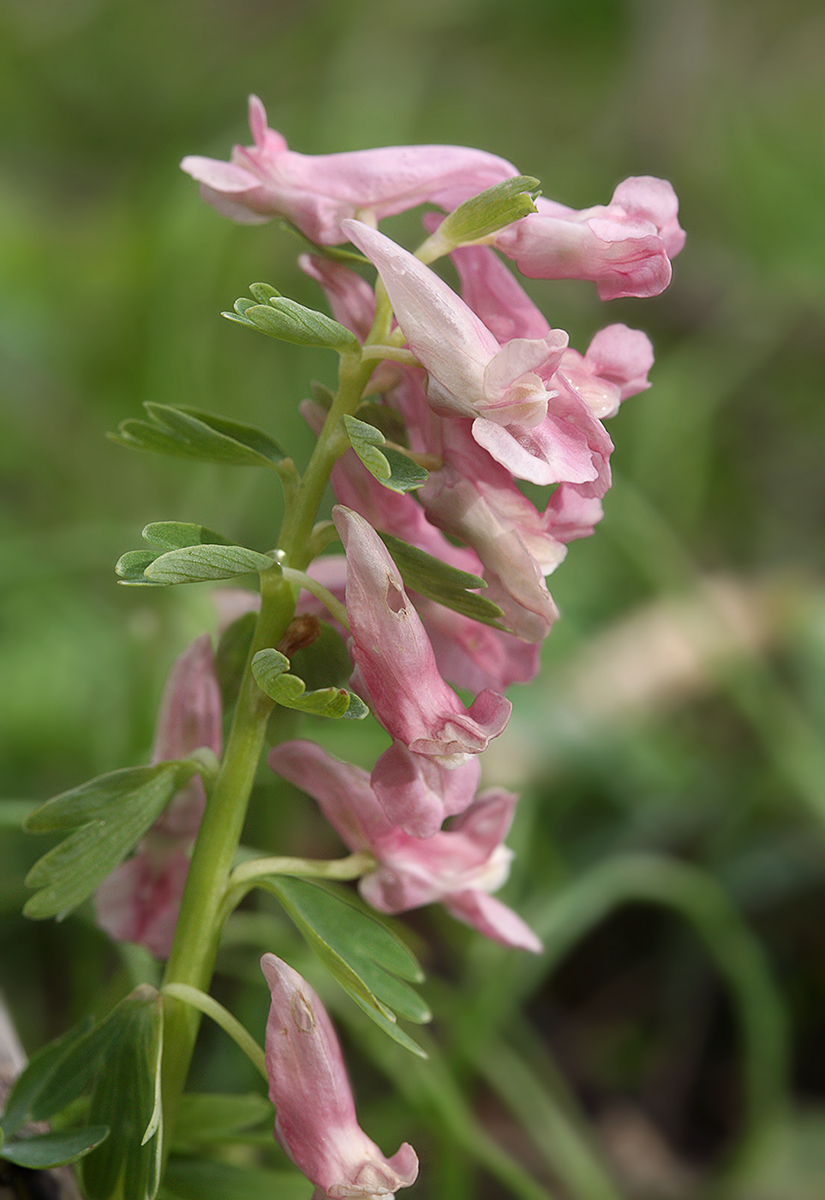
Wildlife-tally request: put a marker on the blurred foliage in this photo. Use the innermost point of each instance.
(682, 707)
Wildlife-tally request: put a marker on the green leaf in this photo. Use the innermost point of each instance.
(131, 565)
(367, 959)
(191, 433)
(289, 321)
(36, 1078)
(177, 535)
(127, 1098)
(437, 581)
(269, 668)
(405, 473)
(54, 1149)
(263, 292)
(206, 1179)
(109, 816)
(389, 465)
(194, 564)
(55, 1075)
(490, 211)
(382, 416)
(253, 439)
(212, 1117)
(364, 439)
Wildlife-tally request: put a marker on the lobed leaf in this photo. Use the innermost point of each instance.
(270, 670)
(177, 535)
(127, 1098)
(31, 1097)
(130, 567)
(366, 958)
(54, 1149)
(191, 433)
(109, 815)
(389, 465)
(212, 1117)
(289, 321)
(490, 211)
(194, 564)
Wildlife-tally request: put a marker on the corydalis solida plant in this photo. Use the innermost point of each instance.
(442, 585)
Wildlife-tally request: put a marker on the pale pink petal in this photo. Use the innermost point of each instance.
(624, 247)
(417, 793)
(190, 717)
(649, 199)
(139, 901)
(453, 345)
(623, 357)
(494, 919)
(316, 1122)
(396, 661)
(495, 295)
(317, 192)
(343, 791)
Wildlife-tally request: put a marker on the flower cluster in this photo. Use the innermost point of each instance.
(488, 395)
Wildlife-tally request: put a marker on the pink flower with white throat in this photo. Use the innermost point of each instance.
(139, 901)
(470, 374)
(624, 247)
(395, 659)
(316, 192)
(458, 867)
(315, 1118)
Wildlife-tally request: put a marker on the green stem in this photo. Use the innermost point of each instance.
(197, 933)
(296, 540)
(202, 910)
(248, 874)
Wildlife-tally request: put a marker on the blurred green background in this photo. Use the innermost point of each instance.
(681, 711)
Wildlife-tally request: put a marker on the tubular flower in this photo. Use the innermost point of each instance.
(316, 1122)
(624, 247)
(458, 867)
(470, 374)
(139, 901)
(317, 192)
(467, 653)
(395, 660)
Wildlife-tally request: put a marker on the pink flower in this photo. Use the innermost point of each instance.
(470, 374)
(625, 247)
(316, 1122)
(395, 659)
(472, 497)
(139, 901)
(317, 192)
(468, 654)
(418, 793)
(458, 867)
(615, 364)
